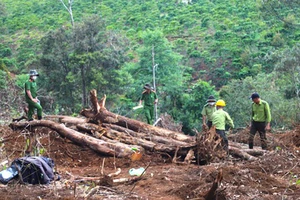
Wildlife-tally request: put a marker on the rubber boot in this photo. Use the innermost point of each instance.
(250, 145)
(264, 146)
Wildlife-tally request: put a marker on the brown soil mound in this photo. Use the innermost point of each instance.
(274, 176)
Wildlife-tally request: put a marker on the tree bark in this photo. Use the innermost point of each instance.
(153, 138)
(131, 137)
(112, 149)
(240, 153)
(103, 115)
(66, 119)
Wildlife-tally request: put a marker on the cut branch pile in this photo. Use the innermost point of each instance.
(114, 135)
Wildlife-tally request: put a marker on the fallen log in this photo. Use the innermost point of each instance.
(67, 119)
(255, 152)
(240, 153)
(123, 137)
(112, 149)
(153, 138)
(103, 115)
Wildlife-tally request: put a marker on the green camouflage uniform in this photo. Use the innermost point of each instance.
(149, 99)
(31, 86)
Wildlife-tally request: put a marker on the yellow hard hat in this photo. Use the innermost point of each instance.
(221, 103)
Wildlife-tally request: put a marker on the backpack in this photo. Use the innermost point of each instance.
(34, 170)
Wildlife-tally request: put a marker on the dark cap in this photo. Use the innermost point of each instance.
(254, 95)
(211, 98)
(148, 86)
(33, 72)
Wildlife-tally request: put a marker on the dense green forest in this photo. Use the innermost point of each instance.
(228, 48)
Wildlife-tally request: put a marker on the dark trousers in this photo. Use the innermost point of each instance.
(223, 136)
(209, 124)
(259, 127)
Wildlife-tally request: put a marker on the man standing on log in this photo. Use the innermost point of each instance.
(31, 96)
(150, 98)
(261, 118)
(219, 120)
(207, 112)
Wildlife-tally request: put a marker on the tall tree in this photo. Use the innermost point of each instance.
(77, 60)
(155, 49)
(288, 70)
(68, 7)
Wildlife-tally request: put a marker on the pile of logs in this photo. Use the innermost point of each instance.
(110, 134)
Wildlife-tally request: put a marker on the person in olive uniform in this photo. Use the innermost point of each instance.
(261, 118)
(150, 98)
(219, 120)
(207, 111)
(31, 96)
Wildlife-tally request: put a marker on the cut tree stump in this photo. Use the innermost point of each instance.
(211, 194)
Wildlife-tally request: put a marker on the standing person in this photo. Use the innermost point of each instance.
(150, 98)
(208, 109)
(261, 118)
(219, 120)
(31, 96)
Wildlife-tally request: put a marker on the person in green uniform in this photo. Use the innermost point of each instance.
(31, 96)
(150, 98)
(261, 118)
(207, 111)
(219, 120)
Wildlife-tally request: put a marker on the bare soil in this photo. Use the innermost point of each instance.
(276, 175)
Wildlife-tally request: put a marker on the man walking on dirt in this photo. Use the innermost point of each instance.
(31, 96)
(207, 112)
(150, 98)
(261, 118)
(219, 120)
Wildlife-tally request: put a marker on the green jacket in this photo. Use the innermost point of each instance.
(30, 85)
(220, 118)
(261, 112)
(149, 98)
(208, 111)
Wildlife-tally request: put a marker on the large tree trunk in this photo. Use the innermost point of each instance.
(240, 153)
(131, 137)
(112, 149)
(66, 119)
(154, 138)
(104, 116)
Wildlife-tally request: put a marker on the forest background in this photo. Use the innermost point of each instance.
(226, 48)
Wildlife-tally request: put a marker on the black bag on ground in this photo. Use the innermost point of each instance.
(34, 170)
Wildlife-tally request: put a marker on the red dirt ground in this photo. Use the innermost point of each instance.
(274, 176)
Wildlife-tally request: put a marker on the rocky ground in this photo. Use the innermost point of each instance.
(276, 175)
